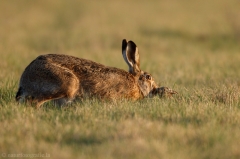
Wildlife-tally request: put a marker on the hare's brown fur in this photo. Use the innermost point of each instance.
(62, 78)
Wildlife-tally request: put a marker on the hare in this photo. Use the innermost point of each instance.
(62, 78)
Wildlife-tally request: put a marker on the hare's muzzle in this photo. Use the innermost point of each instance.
(164, 92)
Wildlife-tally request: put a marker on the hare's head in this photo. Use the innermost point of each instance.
(145, 81)
(146, 84)
(131, 56)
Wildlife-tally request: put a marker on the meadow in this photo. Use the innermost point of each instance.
(190, 46)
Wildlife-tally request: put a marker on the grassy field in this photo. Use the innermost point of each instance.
(191, 46)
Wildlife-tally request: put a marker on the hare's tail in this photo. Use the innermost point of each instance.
(19, 94)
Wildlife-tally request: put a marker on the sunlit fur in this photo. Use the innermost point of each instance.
(62, 78)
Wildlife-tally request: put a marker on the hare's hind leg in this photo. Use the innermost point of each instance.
(33, 99)
(24, 97)
(37, 103)
(44, 82)
(59, 101)
(61, 97)
(65, 95)
(62, 101)
(67, 91)
(71, 89)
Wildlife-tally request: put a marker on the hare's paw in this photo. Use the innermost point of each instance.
(165, 92)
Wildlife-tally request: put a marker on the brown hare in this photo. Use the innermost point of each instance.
(62, 78)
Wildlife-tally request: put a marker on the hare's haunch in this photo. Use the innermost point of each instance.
(62, 78)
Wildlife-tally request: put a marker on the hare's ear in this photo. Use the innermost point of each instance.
(131, 56)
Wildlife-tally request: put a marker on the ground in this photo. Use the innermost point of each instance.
(190, 46)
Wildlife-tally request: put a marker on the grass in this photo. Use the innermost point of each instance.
(190, 46)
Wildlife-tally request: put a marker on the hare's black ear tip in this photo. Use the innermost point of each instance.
(124, 44)
(132, 44)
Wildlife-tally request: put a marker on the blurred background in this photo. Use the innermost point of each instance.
(184, 42)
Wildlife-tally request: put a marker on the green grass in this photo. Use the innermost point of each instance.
(190, 46)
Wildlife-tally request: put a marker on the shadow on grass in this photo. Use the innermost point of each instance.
(185, 121)
(82, 140)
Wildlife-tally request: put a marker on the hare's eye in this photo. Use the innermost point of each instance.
(148, 77)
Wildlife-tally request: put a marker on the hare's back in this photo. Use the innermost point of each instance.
(70, 62)
(96, 79)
